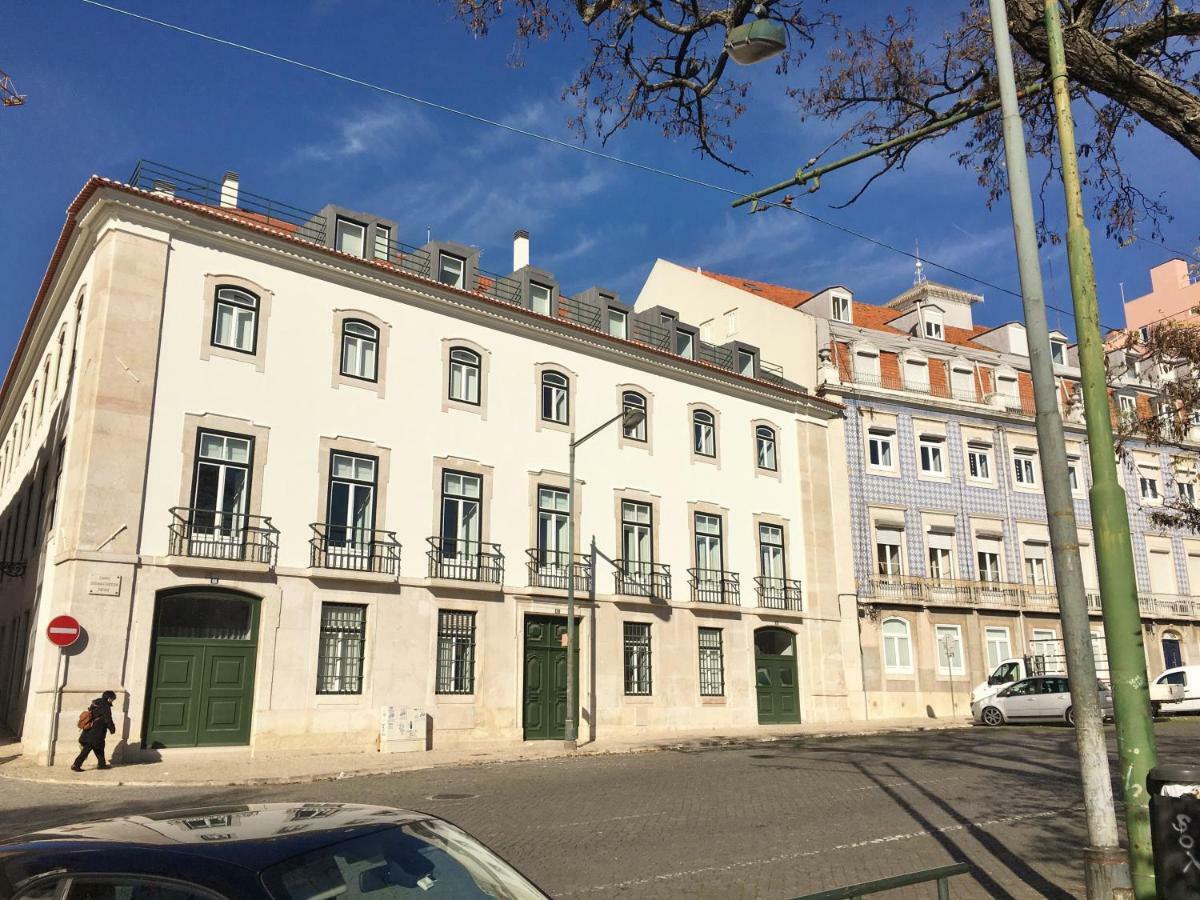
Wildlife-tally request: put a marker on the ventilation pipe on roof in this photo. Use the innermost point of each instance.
(229, 190)
(520, 249)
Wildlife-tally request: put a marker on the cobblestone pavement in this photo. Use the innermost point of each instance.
(769, 820)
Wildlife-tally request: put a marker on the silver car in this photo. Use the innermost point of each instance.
(1046, 698)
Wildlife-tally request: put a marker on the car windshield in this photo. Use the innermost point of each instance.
(427, 859)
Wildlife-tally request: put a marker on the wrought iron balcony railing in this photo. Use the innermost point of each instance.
(213, 534)
(460, 560)
(354, 549)
(643, 579)
(778, 593)
(555, 568)
(714, 586)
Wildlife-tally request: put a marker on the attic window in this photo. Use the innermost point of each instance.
(933, 326)
(1058, 352)
(841, 308)
(746, 363)
(350, 237)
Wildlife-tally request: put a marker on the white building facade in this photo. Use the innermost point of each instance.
(287, 472)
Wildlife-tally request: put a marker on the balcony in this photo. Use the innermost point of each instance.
(353, 549)
(945, 592)
(643, 579)
(211, 534)
(714, 586)
(1169, 606)
(942, 391)
(554, 569)
(458, 560)
(778, 593)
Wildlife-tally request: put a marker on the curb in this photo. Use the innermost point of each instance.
(697, 745)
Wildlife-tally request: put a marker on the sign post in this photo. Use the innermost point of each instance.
(63, 631)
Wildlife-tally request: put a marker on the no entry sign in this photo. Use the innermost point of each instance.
(63, 631)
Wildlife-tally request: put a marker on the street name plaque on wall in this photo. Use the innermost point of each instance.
(104, 585)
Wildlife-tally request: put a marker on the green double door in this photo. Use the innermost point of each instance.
(776, 677)
(202, 671)
(545, 704)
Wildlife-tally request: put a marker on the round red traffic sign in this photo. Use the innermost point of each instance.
(63, 631)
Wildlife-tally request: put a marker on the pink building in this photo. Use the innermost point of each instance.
(1173, 295)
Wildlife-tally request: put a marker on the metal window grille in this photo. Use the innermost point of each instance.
(637, 658)
(456, 652)
(340, 656)
(712, 663)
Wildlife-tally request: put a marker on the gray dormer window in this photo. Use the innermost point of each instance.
(451, 269)
(383, 238)
(685, 344)
(1058, 352)
(841, 308)
(540, 298)
(746, 363)
(350, 237)
(617, 323)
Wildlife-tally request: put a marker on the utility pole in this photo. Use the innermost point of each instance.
(1104, 864)
(1114, 553)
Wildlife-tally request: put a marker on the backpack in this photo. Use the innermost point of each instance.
(85, 719)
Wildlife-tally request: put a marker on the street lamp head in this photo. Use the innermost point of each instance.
(753, 42)
(632, 418)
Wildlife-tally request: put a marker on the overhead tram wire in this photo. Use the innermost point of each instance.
(557, 142)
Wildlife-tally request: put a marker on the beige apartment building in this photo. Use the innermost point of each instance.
(289, 472)
(953, 571)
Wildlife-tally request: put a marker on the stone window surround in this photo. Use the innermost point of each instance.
(779, 522)
(207, 348)
(622, 441)
(470, 467)
(922, 436)
(893, 519)
(777, 472)
(193, 424)
(552, 479)
(881, 422)
(708, 509)
(371, 604)
(381, 352)
(656, 524)
(458, 605)
(949, 674)
(541, 424)
(898, 675)
(652, 621)
(355, 447)
(715, 459)
(716, 625)
(485, 364)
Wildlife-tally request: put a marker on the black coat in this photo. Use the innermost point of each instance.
(102, 724)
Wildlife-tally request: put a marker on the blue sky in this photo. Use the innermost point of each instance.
(105, 90)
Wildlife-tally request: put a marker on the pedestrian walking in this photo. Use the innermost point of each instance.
(95, 724)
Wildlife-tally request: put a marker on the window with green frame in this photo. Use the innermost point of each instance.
(712, 663)
(340, 653)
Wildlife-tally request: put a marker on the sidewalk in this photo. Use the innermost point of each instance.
(235, 766)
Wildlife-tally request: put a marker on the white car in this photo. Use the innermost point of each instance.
(1041, 699)
(1188, 678)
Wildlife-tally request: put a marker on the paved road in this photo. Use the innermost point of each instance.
(770, 820)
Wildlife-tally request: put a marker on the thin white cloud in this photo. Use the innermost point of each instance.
(372, 131)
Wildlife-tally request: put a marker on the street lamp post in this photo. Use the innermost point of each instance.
(630, 418)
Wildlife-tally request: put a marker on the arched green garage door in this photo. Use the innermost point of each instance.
(202, 669)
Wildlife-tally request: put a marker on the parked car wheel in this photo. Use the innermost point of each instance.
(1070, 717)
(992, 716)
(1156, 709)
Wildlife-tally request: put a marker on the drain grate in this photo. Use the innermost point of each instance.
(452, 797)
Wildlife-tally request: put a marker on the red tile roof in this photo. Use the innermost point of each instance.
(777, 293)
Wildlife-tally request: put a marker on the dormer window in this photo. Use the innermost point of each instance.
(685, 344)
(1058, 352)
(933, 329)
(350, 237)
(617, 323)
(841, 308)
(451, 269)
(540, 298)
(383, 240)
(1143, 334)
(746, 363)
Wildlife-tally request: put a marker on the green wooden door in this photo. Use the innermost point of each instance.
(776, 677)
(545, 705)
(202, 671)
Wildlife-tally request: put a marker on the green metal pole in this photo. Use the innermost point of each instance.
(1110, 517)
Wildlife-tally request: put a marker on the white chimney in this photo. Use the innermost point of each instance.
(520, 249)
(229, 189)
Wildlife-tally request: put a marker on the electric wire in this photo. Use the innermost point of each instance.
(558, 142)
